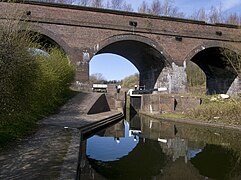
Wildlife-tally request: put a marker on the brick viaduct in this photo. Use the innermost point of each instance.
(159, 47)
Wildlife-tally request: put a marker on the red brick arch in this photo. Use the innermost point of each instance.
(219, 78)
(132, 37)
(144, 53)
(53, 37)
(210, 44)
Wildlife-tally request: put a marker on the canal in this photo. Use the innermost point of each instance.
(145, 148)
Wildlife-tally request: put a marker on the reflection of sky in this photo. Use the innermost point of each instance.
(108, 149)
(191, 153)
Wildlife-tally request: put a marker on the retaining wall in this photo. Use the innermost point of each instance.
(156, 103)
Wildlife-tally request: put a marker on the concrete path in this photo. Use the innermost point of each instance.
(52, 152)
(74, 114)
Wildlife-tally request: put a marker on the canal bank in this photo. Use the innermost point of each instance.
(205, 110)
(52, 152)
(190, 121)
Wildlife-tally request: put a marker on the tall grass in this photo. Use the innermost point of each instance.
(31, 86)
(219, 111)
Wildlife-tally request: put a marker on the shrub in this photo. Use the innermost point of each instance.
(18, 70)
(30, 86)
(131, 81)
(52, 83)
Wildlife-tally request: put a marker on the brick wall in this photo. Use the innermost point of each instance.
(82, 32)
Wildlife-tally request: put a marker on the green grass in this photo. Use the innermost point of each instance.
(218, 111)
(173, 115)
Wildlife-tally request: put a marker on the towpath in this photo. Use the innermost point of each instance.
(52, 152)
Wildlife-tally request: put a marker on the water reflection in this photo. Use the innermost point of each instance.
(144, 148)
(111, 144)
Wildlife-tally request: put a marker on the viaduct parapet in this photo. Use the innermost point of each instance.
(159, 47)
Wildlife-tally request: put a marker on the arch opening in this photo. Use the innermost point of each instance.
(40, 43)
(147, 59)
(110, 68)
(220, 74)
(44, 42)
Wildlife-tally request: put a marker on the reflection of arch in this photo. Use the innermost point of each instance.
(144, 162)
(145, 54)
(218, 162)
(52, 37)
(220, 75)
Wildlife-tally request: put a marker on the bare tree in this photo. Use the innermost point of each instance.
(116, 4)
(59, 1)
(233, 19)
(215, 15)
(108, 5)
(155, 8)
(144, 8)
(84, 2)
(168, 9)
(119, 5)
(200, 15)
(97, 3)
(127, 7)
(97, 78)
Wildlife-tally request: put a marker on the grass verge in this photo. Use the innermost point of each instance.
(216, 110)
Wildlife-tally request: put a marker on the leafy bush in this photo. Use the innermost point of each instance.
(18, 72)
(30, 86)
(131, 81)
(52, 82)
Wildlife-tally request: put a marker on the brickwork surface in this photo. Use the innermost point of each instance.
(83, 32)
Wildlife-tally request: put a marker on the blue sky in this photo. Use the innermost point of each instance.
(188, 6)
(114, 67)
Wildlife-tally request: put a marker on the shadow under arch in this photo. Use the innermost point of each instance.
(144, 53)
(48, 39)
(220, 75)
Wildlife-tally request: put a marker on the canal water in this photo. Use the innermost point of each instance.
(144, 148)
